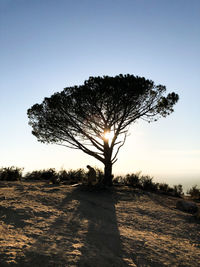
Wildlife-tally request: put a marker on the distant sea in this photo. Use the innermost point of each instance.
(186, 181)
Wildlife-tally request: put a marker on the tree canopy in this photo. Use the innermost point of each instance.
(81, 117)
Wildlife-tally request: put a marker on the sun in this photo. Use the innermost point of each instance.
(108, 135)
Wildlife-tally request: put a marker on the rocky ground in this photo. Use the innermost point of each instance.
(47, 225)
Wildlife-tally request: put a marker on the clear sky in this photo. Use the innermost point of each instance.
(46, 45)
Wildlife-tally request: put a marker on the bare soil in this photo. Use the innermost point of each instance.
(47, 225)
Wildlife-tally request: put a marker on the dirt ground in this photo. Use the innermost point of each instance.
(47, 225)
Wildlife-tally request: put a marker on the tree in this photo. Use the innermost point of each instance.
(95, 117)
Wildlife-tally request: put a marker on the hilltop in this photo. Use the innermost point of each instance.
(47, 225)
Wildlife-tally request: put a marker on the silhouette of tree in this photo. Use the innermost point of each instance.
(82, 117)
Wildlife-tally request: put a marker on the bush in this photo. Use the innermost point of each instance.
(132, 179)
(72, 176)
(178, 190)
(63, 175)
(147, 183)
(129, 179)
(137, 180)
(100, 175)
(48, 174)
(11, 173)
(34, 175)
(164, 187)
(194, 192)
(118, 180)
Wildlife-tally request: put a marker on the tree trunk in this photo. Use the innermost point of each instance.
(108, 173)
(107, 164)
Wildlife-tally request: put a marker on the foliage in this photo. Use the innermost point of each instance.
(145, 182)
(194, 192)
(48, 174)
(164, 187)
(148, 184)
(65, 176)
(100, 174)
(80, 116)
(133, 179)
(137, 180)
(178, 190)
(72, 176)
(118, 180)
(11, 173)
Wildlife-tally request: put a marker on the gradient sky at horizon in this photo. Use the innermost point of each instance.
(48, 45)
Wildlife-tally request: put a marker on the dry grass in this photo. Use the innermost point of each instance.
(46, 225)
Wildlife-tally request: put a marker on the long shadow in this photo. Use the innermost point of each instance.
(102, 244)
(84, 234)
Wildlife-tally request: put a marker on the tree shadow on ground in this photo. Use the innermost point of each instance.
(102, 240)
(85, 233)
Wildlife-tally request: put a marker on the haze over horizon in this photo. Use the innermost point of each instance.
(48, 45)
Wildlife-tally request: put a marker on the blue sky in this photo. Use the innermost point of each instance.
(48, 45)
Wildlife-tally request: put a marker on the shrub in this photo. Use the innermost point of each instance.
(34, 175)
(72, 176)
(100, 175)
(118, 180)
(178, 190)
(63, 175)
(11, 173)
(129, 179)
(133, 179)
(147, 183)
(137, 180)
(194, 192)
(48, 174)
(164, 187)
